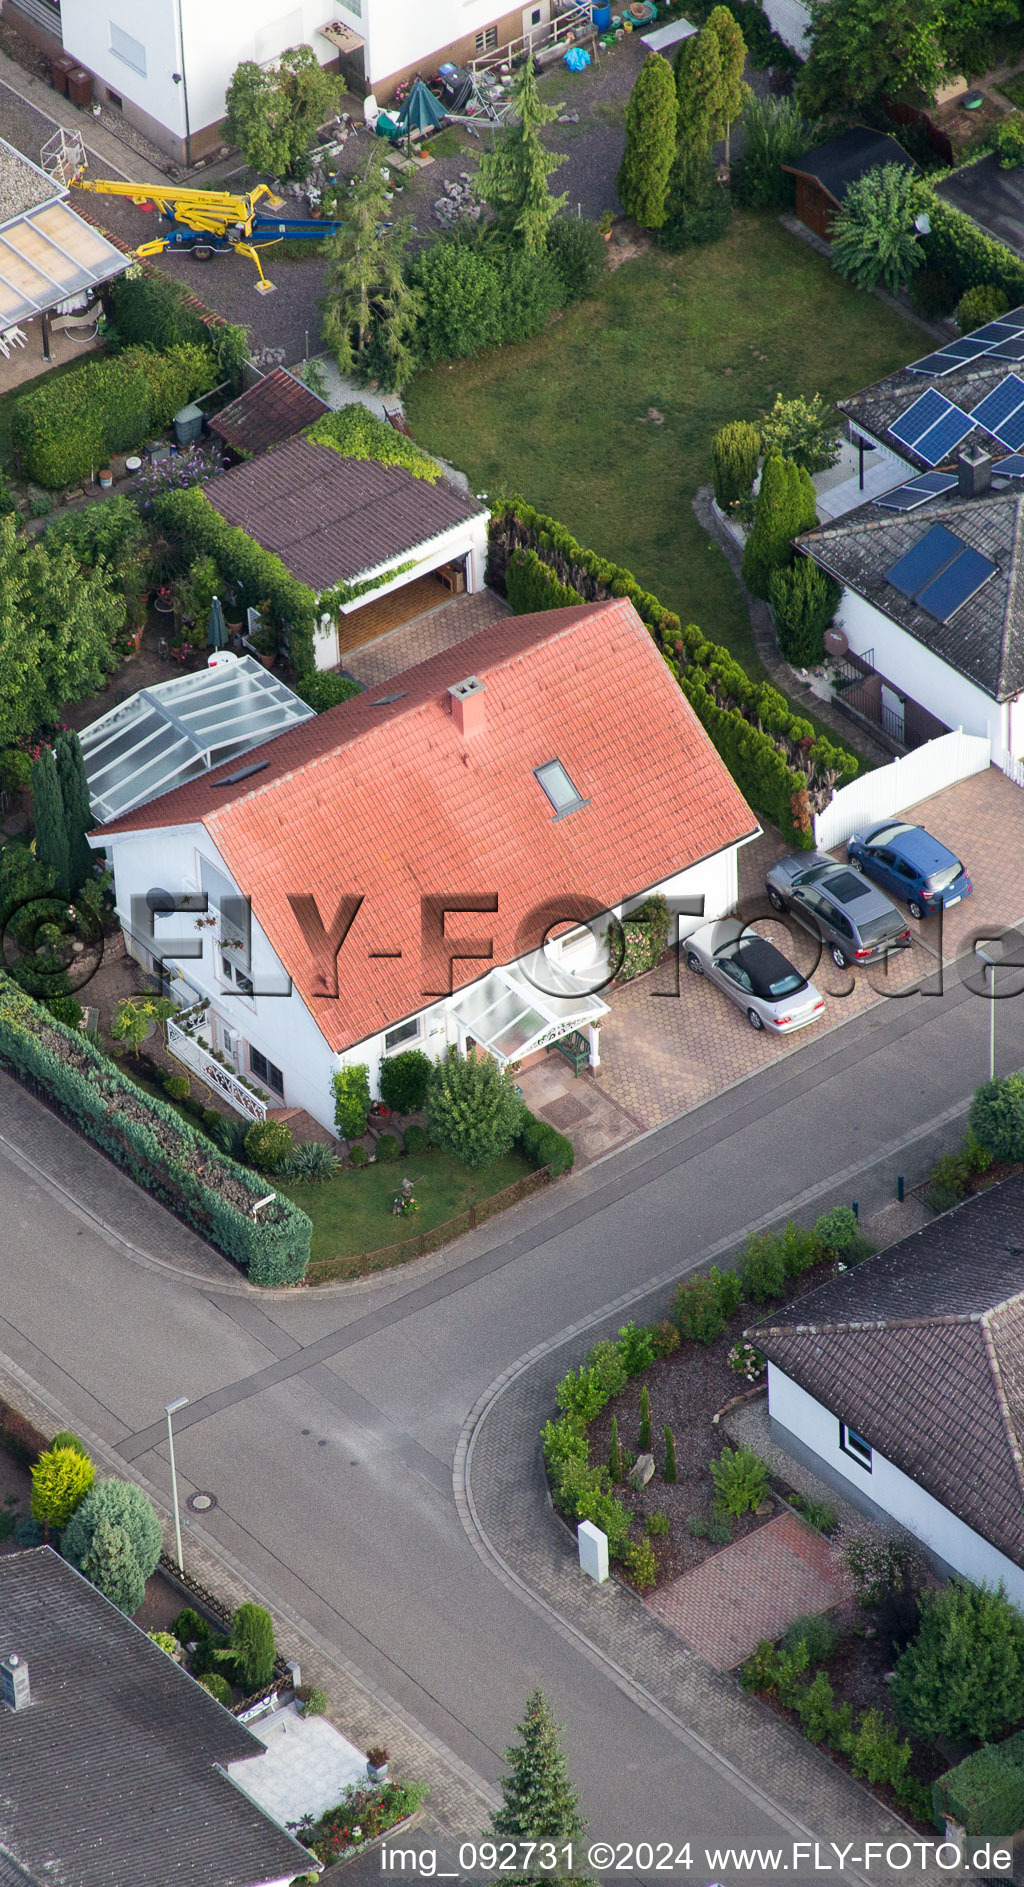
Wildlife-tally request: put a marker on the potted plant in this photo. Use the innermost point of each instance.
(605, 222)
(377, 1759)
(265, 642)
(163, 601)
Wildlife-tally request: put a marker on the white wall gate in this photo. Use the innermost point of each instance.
(891, 789)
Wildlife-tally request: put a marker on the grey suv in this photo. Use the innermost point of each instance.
(855, 921)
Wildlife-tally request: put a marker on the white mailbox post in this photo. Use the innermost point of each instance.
(593, 1551)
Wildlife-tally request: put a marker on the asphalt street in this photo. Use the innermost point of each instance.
(326, 1423)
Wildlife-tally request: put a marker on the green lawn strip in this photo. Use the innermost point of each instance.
(563, 418)
(352, 1213)
(1013, 89)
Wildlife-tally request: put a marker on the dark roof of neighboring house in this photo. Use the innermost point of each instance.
(276, 408)
(385, 797)
(921, 1350)
(993, 197)
(876, 408)
(111, 1775)
(844, 159)
(332, 519)
(984, 640)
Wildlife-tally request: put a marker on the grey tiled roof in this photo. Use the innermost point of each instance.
(331, 518)
(985, 638)
(875, 408)
(111, 1776)
(921, 1350)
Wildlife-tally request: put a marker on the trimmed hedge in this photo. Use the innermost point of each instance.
(966, 256)
(321, 690)
(66, 428)
(782, 768)
(150, 310)
(543, 1145)
(153, 1144)
(258, 575)
(985, 1792)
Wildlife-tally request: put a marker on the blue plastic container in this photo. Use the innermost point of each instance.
(602, 17)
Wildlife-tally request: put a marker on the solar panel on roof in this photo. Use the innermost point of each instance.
(915, 422)
(997, 406)
(956, 584)
(968, 347)
(935, 364)
(1011, 431)
(1008, 350)
(996, 331)
(1014, 314)
(917, 491)
(1013, 467)
(924, 561)
(938, 442)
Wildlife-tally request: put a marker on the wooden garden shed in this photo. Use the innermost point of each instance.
(824, 175)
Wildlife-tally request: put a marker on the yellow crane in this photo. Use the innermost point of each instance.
(205, 222)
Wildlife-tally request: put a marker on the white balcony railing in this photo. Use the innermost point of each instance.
(186, 1049)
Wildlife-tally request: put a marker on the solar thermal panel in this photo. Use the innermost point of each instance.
(956, 584)
(924, 561)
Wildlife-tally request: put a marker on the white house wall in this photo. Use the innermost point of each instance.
(798, 1416)
(401, 33)
(917, 672)
(467, 540)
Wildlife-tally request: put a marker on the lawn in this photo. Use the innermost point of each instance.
(704, 337)
(352, 1213)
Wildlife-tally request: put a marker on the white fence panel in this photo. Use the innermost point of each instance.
(1013, 769)
(891, 789)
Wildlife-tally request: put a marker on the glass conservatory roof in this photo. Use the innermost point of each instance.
(179, 729)
(510, 1016)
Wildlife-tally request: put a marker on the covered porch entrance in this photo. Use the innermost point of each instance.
(511, 1016)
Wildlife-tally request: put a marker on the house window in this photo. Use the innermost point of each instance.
(559, 788)
(265, 1071)
(231, 973)
(401, 1037)
(487, 40)
(855, 1446)
(114, 98)
(130, 51)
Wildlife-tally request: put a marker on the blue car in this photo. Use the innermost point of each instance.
(907, 860)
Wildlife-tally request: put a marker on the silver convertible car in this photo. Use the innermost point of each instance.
(757, 976)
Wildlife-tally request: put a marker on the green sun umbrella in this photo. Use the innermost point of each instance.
(420, 111)
(217, 633)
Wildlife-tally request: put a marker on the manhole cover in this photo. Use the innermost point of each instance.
(201, 1503)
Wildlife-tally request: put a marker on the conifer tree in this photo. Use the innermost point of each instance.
(670, 1475)
(615, 1452)
(785, 507)
(540, 1803)
(112, 1567)
(651, 114)
(645, 1421)
(61, 1480)
(732, 55)
(48, 819)
(513, 178)
(78, 819)
(367, 297)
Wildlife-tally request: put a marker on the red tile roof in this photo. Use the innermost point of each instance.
(276, 408)
(331, 518)
(387, 800)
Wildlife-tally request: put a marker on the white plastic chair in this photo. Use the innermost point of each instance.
(371, 110)
(4, 349)
(14, 337)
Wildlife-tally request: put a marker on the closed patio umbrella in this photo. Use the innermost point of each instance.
(217, 633)
(420, 111)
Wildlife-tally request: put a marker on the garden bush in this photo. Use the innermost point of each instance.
(473, 1110)
(817, 1632)
(65, 1439)
(150, 310)
(177, 1087)
(313, 1163)
(664, 1338)
(259, 578)
(962, 1675)
(127, 1507)
(996, 1117)
(110, 1563)
(582, 1394)
(658, 1525)
(61, 1479)
(877, 1754)
(741, 1480)
(879, 1561)
(697, 1310)
(351, 1090)
(404, 1079)
(785, 507)
(66, 1009)
(985, 1792)
(269, 1145)
(636, 1347)
(166, 1641)
(607, 1366)
(839, 1235)
(1009, 141)
(252, 1642)
(417, 1141)
(323, 691)
(958, 249)
(977, 306)
(314, 1704)
(763, 1268)
(805, 432)
(803, 601)
(774, 134)
(819, 1515)
(729, 1289)
(65, 428)
(190, 1626)
(735, 450)
(218, 1687)
(640, 1565)
(146, 1137)
(482, 297)
(386, 1148)
(357, 1155)
(578, 256)
(543, 1145)
(816, 1708)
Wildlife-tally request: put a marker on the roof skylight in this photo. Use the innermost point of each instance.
(559, 788)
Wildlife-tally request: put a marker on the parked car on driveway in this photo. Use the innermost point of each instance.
(756, 975)
(854, 921)
(909, 862)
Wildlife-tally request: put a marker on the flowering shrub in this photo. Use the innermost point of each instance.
(363, 1813)
(192, 466)
(746, 1361)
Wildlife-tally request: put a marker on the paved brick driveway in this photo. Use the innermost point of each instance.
(672, 1042)
(751, 1590)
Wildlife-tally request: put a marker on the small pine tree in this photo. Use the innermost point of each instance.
(369, 310)
(651, 115)
(961, 1676)
(804, 600)
(78, 819)
(61, 1480)
(644, 1439)
(252, 1642)
(785, 507)
(111, 1565)
(124, 1505)
(540, 1803)
(735, 450)
(615, 1452)
(48, 819)
(670, 1474)
(732, 93)
(513, 178)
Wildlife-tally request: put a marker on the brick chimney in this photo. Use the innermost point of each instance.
(974, 471)
(466, 706)
(14, 1685)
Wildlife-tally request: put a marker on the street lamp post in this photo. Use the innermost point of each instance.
(171, 1410)
(990, 978)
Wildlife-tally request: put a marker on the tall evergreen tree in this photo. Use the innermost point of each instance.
(48, 818)
(367, 297)
(732, 57)
(651, 117)
(698, 76)
(78, 819)
(112, 1566)
(513, 178)
(785, 507)
(540, 1803)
